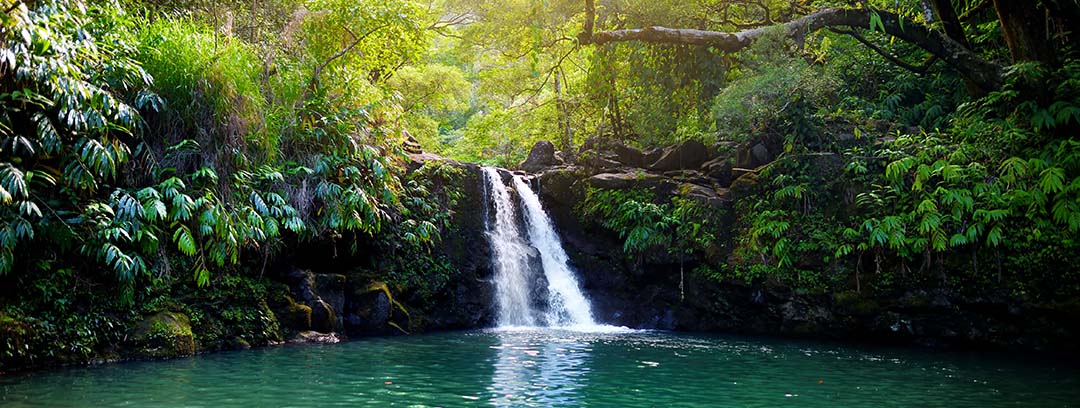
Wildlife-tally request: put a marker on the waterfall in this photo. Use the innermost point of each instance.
(509, 257)
(567, 305)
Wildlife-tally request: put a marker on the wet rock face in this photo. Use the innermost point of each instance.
(467, 301)
(320, 300)
(323, 317)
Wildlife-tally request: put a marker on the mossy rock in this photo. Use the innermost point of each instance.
(164, 335)
(323, 318)
(238, 343)
(854, 304)
(294, 316)
(745, 183)
(376, 306)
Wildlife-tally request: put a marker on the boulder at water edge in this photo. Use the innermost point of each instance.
(164, 335)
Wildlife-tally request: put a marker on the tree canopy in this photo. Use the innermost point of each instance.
(153, 147)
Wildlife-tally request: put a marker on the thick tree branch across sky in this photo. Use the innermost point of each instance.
(982, 72)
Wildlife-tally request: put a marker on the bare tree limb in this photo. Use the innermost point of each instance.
(356, 40)
(536, 91)
(918, 69)
(969, 64)
(457, 19)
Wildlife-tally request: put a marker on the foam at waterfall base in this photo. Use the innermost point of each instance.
(577, 328)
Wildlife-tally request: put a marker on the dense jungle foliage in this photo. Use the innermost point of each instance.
(163, 152)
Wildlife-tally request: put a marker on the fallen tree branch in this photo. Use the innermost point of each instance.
(966, 62)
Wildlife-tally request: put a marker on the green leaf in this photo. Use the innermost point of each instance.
(875, 21)
(1052, 180)
(184, 241)
(958, 240)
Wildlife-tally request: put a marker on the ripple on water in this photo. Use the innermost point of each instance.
(524, 367)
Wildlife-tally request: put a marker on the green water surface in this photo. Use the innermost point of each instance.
(556, 368)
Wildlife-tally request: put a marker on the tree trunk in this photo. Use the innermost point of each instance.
(944, 11)
(613, 111)
(1027, 33)
(966, 62)
(562, 116)
(254, 32)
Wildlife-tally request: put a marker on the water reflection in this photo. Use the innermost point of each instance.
(561, 368)
(539, 369)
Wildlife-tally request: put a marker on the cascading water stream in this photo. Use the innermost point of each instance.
(567, 305)
(509, 257)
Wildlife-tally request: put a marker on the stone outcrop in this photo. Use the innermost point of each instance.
(718, 169)
(688, 155)
(542, 155)
(320, 297)
(628, 155)
(643, 292)
(618, 181)
(344, 293)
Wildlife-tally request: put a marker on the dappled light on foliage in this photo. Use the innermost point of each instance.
(159, 155)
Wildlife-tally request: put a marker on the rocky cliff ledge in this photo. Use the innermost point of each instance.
(644, 291)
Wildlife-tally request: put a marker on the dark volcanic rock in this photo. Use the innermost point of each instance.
(542, 155)
(562, 185)
(627, 180)
(687, 155)
(703, 195)
(761, 154)
(688, 176)
(293, 316)
(719, 170)
(323, 317)
(755, 155)
(331, 289)
(651, 156)
(628, 155)
(598, 162)
(321, 294)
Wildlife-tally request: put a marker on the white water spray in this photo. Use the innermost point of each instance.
(567, 305)
(509, 258)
